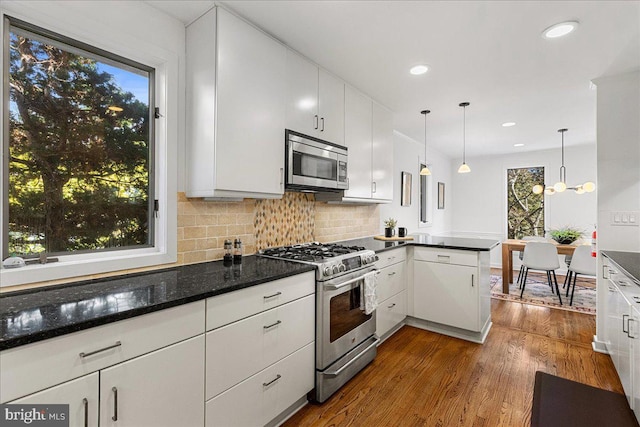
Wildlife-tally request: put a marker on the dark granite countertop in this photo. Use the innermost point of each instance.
(460, 243)
(628, 262)
(38, 314)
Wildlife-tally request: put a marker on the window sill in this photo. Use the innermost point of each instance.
(38, 273)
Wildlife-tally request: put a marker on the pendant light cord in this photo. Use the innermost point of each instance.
(563, 170)
(464, 134)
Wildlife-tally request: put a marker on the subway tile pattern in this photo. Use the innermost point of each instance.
(204, 226)
(335, 222)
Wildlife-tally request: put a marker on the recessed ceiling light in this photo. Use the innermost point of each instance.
(559, 30)
(419, 69)
(508, 124)
(518, 145)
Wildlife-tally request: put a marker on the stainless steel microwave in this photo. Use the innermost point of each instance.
(313, 164)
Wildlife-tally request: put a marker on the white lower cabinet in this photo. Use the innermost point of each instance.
(444, 293)
(451, 288)
(260, 398)
(80, 394)
(163, 388)
(263, 361)
(239, 350)
(622, 331)
(391, 312)
(391, 290)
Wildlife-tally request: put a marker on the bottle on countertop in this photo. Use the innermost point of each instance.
(237, 251)
(227, 260)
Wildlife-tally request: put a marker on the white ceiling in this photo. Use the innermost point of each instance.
(489, 53)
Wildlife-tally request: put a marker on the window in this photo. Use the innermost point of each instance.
(425, 198)
(525, 209)
(80, 139)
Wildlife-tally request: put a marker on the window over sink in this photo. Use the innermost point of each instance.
(82, 136)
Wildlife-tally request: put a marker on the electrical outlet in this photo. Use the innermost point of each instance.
(625, 218)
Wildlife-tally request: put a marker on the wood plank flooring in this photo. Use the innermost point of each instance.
(420, 378)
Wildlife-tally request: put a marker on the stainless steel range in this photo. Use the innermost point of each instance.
(345, 334)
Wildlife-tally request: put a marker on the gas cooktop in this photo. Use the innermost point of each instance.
(331, 259)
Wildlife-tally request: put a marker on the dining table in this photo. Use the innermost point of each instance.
(510, 245)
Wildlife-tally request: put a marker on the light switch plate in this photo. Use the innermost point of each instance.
(625, 218)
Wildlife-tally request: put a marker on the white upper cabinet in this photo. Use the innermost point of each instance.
(358, 133)
(315, 100)
(382, 162)
(236, 98)
(369, 138)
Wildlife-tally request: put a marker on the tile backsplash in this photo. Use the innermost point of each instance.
(296, 218)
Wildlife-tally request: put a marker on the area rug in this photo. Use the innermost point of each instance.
(538, 292)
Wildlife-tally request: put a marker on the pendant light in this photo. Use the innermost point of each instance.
(561, 185)
(464, 168)
(425, 170)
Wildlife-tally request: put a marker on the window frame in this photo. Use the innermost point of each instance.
(428, 208)
(162, 174)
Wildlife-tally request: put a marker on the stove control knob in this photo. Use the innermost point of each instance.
(372, 259)
(364, 260)
(335, 269)
(342, 268)
(327, 271)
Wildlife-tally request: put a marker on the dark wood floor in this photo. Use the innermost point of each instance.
(421, 378)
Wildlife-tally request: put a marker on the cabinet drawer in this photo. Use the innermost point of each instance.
(43, 364)
(391, 257)
(446, 256)
(259, 399)
(241, 349)
(391, 280)
(391, 312)
(227, 308)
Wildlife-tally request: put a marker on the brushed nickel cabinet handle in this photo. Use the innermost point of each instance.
(315, 119)
(393, 273)
(272, 325)
(272, 296)
(627, 320)
(281, 176)
(472, 280)
(322, 127)
(272, 381)
(115, 404)
(392, 305)
(91, 353)
(85, 403)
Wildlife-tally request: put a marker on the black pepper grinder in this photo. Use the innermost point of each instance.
(227, 260)
(237, 251)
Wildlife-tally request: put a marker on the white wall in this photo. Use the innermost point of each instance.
(480, 197)
(407, 157)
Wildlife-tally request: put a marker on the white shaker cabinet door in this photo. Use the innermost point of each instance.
(382, 164)
(162, 388)
(251, 100)
(80, 394)
(357, 138)
(302, 95)
(331, 108)
(446, 294)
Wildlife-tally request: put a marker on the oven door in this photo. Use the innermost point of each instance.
(315, 164)
(342, 323)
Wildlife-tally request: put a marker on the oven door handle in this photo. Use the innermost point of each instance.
(352, 361)
(348, 282)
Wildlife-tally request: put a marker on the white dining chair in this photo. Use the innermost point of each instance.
(581, 263)
(541, 256)
(521, 255)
